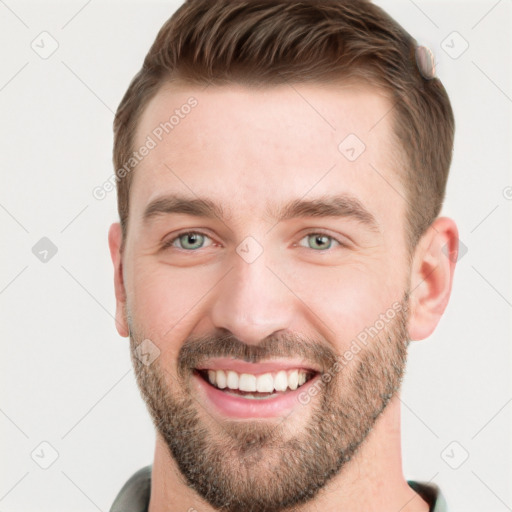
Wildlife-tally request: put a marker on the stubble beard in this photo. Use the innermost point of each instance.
(264, 466)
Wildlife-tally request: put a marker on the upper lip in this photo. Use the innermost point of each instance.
(272, 365)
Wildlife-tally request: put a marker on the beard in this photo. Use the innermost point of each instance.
(264, 466)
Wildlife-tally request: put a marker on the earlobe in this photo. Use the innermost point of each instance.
(432, 273)
(114, 242)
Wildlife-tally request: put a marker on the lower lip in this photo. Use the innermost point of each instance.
(239, 407)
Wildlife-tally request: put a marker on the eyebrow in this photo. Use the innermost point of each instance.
(343, 205)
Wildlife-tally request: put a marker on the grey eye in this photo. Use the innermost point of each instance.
(191, 241)
(319, 241)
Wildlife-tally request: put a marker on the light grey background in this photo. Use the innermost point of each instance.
(66, 375)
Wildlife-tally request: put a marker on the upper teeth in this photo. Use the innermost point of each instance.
(265, 383)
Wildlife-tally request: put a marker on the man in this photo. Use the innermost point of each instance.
(281, 167)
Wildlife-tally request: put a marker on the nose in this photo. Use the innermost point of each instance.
(253, 301)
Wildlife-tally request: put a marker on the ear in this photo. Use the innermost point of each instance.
(431, 277)
(114, 241)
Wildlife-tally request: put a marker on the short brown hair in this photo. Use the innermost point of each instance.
(271, 42)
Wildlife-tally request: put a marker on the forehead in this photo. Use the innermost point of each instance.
(252, 149)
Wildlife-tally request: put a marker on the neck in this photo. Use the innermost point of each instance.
(372, 481)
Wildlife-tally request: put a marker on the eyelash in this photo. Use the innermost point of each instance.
(170, 242)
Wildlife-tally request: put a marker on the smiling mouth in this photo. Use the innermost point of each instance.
(262, 386)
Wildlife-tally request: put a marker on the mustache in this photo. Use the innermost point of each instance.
(196, 350)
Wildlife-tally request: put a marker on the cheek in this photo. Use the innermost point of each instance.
(348, 299)
(165, 300)
(167, 303)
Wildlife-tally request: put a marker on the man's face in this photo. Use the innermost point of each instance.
(255, 294)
